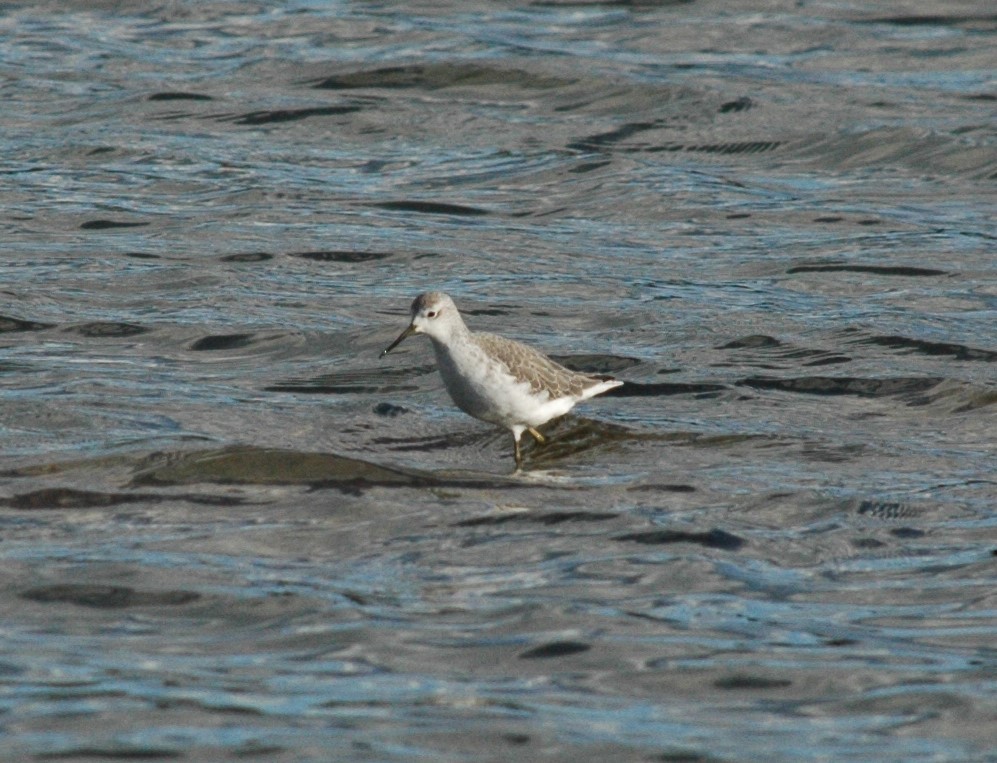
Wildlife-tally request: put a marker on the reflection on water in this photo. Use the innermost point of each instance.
(230, 531)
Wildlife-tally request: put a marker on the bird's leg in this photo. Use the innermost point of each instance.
(517, 453)
(536, 435)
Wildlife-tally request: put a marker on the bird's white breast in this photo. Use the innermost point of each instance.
(483, 387)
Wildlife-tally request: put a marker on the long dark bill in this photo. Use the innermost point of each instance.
(404, 335)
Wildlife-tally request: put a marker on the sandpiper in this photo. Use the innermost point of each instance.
(496, 379)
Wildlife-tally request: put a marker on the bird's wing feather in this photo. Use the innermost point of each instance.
(527, 365)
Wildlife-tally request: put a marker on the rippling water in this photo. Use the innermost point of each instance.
(230, 531)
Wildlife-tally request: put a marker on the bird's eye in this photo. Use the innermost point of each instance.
(431, 314)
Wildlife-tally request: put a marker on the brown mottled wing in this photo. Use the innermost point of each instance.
(526, 364)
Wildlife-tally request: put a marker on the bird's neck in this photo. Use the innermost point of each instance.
(454, 342)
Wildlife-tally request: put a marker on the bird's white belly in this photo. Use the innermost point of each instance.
(483, 388)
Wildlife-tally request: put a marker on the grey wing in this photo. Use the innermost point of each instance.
(528, 365)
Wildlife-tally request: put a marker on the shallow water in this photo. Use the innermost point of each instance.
(230, 531)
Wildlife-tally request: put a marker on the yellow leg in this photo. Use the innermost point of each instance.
(536, 435)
